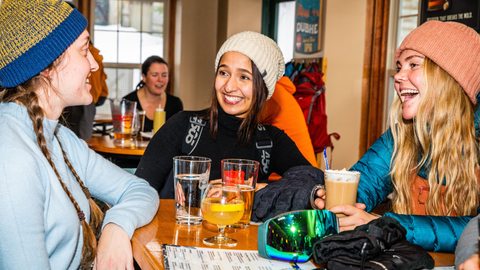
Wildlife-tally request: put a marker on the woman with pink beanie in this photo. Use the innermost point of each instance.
(429, 157)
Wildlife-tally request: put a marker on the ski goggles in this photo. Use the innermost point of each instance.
(291, 236)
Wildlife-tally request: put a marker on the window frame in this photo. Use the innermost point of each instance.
(393, 31)
(269, 17)
(132, 66)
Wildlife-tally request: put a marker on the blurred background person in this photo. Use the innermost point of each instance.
(151, 93)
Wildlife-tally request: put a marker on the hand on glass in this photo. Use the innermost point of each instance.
(471, 263)
(354, 215)
(320, 202)
(114, 250)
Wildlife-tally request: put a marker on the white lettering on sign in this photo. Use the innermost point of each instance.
(308, 28)
(452, 17)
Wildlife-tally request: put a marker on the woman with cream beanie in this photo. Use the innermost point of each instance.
(247, 66)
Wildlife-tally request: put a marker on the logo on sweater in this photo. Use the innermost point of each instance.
(195, 131)
(265, 162)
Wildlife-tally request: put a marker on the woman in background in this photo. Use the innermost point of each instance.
(429, 157)
(48, 176)
(150, 92)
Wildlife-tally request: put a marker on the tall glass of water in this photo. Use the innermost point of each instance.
(191, 175)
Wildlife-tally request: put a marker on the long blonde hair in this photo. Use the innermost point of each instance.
(443, 135)
(25, 95)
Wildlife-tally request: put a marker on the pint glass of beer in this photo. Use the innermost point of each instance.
(244, 173)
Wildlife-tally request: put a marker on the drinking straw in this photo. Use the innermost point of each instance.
(325, 157)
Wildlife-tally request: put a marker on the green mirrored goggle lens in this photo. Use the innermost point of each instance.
(291, 236)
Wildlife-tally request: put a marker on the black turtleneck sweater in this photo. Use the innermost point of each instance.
(157, 162)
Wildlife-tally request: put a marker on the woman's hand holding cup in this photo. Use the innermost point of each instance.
(349, 216)
(352, 216)
(342, 187)
(318, 201)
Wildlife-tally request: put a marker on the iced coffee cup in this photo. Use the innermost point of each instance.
(340, 188)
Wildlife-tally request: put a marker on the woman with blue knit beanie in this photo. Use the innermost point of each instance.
(47, 175)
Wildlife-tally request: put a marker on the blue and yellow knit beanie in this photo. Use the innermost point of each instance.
(33, 33)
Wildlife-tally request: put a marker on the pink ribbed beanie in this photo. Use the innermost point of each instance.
(453, 46)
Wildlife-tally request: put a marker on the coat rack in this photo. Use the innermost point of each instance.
(321, 64)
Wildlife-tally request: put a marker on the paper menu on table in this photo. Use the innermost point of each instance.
(181, 257)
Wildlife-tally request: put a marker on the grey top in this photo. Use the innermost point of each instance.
(468, 243)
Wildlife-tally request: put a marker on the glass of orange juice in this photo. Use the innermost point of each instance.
(222, 205)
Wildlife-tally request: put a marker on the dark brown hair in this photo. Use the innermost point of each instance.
(25, 95)
(249, 124)
(146, 65)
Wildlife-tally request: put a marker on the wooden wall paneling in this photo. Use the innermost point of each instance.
(171, 45)
(84, 7)
(373, 86)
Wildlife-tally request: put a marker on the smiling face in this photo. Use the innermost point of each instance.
(156, 80)
(234, 84)
(70, 78)
(409, 82)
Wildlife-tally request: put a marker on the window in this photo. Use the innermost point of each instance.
(403, 19)
(127, 33)
(285, 30)
(278, 22)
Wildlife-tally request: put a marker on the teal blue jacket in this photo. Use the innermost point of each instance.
(433, 233)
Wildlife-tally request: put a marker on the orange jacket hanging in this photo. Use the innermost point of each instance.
(283, 111)
(98, 78)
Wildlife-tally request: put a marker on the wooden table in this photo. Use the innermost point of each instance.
(103, 120)
(125, 155)
(147, 241)
(106, 144)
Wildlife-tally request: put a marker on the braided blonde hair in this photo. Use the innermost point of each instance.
(25, 95)
(443, 134)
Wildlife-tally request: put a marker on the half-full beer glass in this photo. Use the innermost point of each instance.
(123, 119)
(242, 172)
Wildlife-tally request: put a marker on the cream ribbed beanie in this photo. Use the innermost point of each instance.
(453, 46)
(262, 50)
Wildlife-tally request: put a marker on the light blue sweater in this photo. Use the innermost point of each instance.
(39, 226)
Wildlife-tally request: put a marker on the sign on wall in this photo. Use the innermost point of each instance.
(462, 11)
(308, 26)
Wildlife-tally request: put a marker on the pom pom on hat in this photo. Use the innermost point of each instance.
(262, 50)
(453, 46)
(33, 33)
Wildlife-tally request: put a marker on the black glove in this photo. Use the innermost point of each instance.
(380, 244)
(289, 193)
